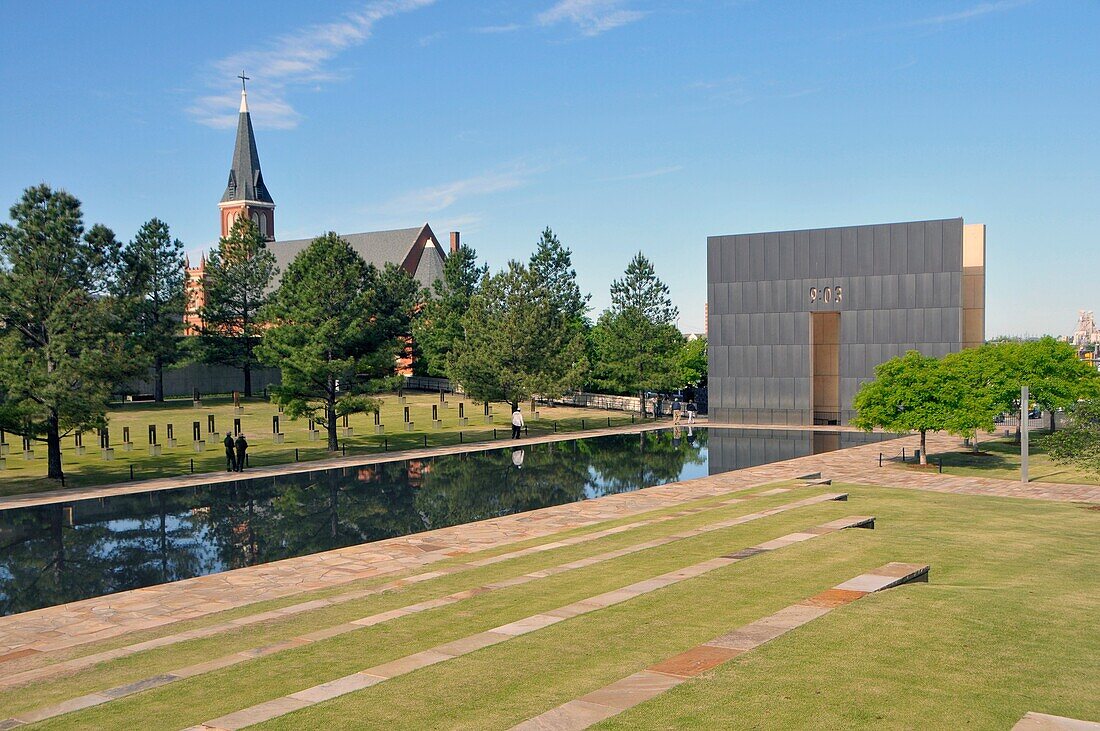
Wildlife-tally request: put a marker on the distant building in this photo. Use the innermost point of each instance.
(1086, 333)
(415, 249)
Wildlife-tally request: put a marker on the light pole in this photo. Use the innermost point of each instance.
(1025, 412)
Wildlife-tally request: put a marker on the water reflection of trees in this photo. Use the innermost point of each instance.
(55, 554)
(634, 461)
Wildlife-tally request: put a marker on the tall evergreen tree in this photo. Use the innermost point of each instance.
(150, 288)
(636, 341)
(337, 326)
(61, 346)
(516, 342)
(552, 267)
(439, 325)
(238, 277)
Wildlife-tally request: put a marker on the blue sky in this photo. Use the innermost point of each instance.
(625, 125)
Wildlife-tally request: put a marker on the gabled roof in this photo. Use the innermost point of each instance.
(415, 249)
(246, 182)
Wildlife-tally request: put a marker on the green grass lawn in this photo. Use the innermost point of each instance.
(1000, 459)
(21, 476)
(1005, 625)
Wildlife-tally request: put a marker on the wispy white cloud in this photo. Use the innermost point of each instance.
(943, 20)
(433, 199)
(294, 59)
(592, 17)
(507, 28)
(983, 8)
(655, 173)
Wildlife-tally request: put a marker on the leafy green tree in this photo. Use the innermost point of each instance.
(909, 393)
(517, 341)
(1056, 378)
(61, 346)
(237, 286)
(150, 289)
(1079, 443)
(693, 361)
(337, 326)
(636, 341)
(973, 380)
(552, 267)
(439, 325)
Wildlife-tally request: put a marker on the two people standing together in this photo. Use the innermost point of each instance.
(235, 452)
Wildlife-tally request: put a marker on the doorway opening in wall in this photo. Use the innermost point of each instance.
(825, 355)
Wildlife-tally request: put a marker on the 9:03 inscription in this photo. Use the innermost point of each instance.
(826, 294)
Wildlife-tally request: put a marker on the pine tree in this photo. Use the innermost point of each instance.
(237, 286)
(552, 267)
(516, 343)
(636, 340)
(61, 345)
(150, 287)
(337, 326)
(439, 325)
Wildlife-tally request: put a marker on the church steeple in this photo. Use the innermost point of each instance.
(246, 192)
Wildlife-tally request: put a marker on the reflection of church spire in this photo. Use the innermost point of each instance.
(246, 182)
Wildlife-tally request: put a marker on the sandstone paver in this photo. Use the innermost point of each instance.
(437, 654)
(616, 697)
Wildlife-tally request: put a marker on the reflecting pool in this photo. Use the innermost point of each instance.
(61, 553)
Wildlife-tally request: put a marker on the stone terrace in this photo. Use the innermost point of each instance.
(70, 625)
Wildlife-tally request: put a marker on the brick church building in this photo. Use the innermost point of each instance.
(416, 249)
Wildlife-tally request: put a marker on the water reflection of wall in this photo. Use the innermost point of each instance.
(736, 449)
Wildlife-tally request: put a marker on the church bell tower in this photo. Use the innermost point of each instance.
(246, 194)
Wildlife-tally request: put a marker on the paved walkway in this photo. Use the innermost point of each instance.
(533, 623)
(69, 625)
(614, 698)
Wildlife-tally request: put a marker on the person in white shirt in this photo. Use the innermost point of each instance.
(517, 423)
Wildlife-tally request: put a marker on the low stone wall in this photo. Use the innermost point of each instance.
(209, 379)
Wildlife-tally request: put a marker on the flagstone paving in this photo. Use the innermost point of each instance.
(104, 696)
(1033, 721)
(71, 625)
(647, 684)
(450, 650)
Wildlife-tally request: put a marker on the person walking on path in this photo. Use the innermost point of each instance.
(692, 409)
(230, 457)
(677, 407)
(242, 448)
(517, 423)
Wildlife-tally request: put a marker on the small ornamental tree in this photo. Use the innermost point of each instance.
(439, 325)
(517, 342)
(237, 286)
(1079, 443)
(150, 291)
(907, 394)
(61, 344)
(973, 380)
(337, 326)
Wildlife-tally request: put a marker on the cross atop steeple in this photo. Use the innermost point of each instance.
(243, 79)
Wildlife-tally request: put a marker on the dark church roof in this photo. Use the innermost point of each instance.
(246, 182)
(415, 249)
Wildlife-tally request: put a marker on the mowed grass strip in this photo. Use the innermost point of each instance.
(194, 700)
(90, 469)
(160, 660)
(1005, 626)
(52, 657)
